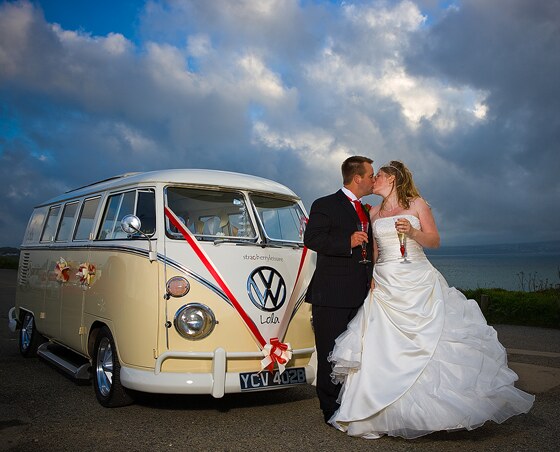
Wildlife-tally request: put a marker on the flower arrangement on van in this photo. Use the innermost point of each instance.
(62, 271)
(86, 274)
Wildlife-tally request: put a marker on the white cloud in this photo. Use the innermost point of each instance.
(166, 64)
(404, 16)
(138, 143)
(386, 77)
(199, 45)
(480, 110)
(308, 143)
(260, 78)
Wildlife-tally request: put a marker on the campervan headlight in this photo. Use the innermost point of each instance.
(194, 321)
(177, 287)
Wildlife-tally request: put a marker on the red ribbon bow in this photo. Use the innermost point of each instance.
(276, 352)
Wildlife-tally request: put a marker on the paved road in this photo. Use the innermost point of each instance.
(42, 410)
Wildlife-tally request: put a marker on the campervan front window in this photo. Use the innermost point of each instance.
(146, 211)
(122, 204)
(210, 213)
(282, 219)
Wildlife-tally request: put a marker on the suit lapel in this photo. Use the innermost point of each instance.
(347, 205)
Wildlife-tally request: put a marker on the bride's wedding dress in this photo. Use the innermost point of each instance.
(419, 357)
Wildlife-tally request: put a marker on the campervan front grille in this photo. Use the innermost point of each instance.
(23, 269)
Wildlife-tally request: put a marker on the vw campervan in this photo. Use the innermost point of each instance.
(175, 281)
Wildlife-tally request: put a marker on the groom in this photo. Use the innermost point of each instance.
(340, 283)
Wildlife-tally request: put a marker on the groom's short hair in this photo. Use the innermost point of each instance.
(352, 166)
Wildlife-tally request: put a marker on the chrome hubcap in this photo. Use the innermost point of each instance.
(104, 367)
(26, 332)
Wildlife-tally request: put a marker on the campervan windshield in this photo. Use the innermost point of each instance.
(281, 219)
(229, 215)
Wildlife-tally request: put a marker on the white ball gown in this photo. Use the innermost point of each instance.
(419, 357)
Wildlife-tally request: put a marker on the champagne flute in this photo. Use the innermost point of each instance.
(364, 228)
(402, 243)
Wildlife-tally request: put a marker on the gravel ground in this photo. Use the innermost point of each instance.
(42, 410)
(529, 338)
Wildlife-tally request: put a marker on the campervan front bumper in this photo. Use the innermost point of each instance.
(12, 320)
(217, 382)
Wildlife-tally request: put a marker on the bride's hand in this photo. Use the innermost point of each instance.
(402, 225)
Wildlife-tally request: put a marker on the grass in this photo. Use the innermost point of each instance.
(10, 262)
(538, 308)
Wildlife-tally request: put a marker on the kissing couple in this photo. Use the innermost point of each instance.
(399, 352)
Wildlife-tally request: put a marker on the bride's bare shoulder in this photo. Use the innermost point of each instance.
(419, 203)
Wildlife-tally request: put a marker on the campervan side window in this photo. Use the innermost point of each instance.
(86, 221)
(122, 204)
(67, 222)
(210, 213)
(35, 225)
(282, 220)
(50, 226)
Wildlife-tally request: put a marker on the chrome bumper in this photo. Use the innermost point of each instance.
(12, 321)
(217, 382)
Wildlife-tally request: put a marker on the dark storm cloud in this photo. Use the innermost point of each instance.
(507, 49)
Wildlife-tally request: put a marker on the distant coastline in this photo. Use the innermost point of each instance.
(520, 266)
(544, 248)
(9, 251)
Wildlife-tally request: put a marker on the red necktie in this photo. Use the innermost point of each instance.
(360, 211)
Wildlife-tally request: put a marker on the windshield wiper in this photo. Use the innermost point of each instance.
(250, 242)
(268, 245)
(278, 244)
(235, 241)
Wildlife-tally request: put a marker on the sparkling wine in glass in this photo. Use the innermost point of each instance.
(402, 243)
(364, 228)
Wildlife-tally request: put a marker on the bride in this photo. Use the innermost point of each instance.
(418, 357)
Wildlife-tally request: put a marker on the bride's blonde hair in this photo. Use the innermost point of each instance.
(404, 183)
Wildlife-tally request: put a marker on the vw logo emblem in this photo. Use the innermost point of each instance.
(266, 289)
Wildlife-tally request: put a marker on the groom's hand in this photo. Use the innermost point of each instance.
(357, 238)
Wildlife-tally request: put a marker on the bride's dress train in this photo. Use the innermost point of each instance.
(419, 357)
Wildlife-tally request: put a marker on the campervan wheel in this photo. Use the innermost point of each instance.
(29, 337)
(106, 376)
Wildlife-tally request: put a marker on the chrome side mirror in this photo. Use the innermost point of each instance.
(132, 224)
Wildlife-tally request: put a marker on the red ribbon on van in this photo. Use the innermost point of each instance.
(276, 352)
(191, 240)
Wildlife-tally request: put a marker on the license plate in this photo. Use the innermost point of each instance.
(265, 379)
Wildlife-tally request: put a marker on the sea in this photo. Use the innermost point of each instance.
(526, 267)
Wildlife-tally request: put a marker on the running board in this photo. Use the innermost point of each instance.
(69, 362)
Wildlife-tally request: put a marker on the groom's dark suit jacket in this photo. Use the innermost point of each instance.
(339, 285)
(339, 279)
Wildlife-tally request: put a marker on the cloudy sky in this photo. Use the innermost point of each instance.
(465, 92)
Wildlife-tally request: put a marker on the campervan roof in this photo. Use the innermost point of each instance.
(196, 177)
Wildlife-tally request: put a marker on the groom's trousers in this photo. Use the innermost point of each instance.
(328, 324)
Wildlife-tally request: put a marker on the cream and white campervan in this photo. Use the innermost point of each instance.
(176, 281)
